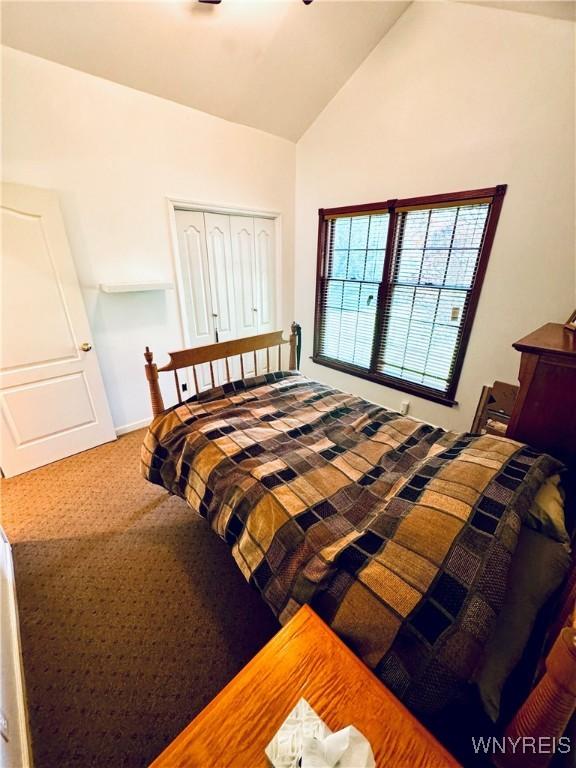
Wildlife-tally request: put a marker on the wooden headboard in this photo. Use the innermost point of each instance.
(223, 351)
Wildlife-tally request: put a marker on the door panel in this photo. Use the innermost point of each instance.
(197, 296)
(263, 259)
(242, 229)
(32, 410)
(221, 281)
(28, 262)
(221, 277)
(264, 240)
(52, 397)
(192, 243)
(197, 282)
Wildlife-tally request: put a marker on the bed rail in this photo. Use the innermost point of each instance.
(222, 351)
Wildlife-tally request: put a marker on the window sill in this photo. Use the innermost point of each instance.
(387, 381)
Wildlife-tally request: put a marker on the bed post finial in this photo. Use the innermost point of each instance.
(295, 345)
(152, 376)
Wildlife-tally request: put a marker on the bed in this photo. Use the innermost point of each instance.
(399, 534)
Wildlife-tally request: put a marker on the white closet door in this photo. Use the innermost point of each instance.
(228, 270)
(265, 266)
(264, 251)
(221, 276)
(242, 230)
(219, 253)
(196, 279)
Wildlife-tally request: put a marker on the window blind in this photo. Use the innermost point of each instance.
(353, 268)
(435, 259)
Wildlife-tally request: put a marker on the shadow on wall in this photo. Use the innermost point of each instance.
(120, 312)
(123, 324)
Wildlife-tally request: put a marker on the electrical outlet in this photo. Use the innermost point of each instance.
(404, 407)
(4, 726)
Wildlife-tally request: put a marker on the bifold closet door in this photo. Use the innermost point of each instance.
(196, 289)
(228, 266)
(253, 257)
(220, 275)
(242, 231)
(264, 281)
(221, 279)
(264, 278)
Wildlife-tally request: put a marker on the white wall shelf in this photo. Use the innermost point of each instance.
(134, 287)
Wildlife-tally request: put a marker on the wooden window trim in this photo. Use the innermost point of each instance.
(495, 195)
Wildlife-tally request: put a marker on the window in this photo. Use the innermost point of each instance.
(397, 288)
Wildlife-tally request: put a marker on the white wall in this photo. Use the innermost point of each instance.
(456, 97)
(114, 154)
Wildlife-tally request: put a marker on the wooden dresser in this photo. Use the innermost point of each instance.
(305, 659)
(544, 413)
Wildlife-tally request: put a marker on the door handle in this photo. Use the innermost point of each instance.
(86, 347)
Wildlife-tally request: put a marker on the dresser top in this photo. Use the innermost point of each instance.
(552, 337)
(304, 659)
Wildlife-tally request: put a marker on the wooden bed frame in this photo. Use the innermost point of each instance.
(544, 415)
(223, 351)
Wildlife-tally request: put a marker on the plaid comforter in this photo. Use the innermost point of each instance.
(399, 534)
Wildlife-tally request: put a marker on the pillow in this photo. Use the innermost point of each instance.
(546, 514)
(538, 568)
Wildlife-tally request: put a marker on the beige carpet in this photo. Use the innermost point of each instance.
(133, 614)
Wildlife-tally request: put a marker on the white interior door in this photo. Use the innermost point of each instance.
(197, 296)
(52, 397)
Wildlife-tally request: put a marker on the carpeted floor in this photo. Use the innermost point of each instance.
(133, 614)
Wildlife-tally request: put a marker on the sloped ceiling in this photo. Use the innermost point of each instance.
(554, 9)
(270, 64)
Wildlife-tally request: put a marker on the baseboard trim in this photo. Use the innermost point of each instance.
(123, 430)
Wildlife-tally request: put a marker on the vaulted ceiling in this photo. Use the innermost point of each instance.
(270, 64)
